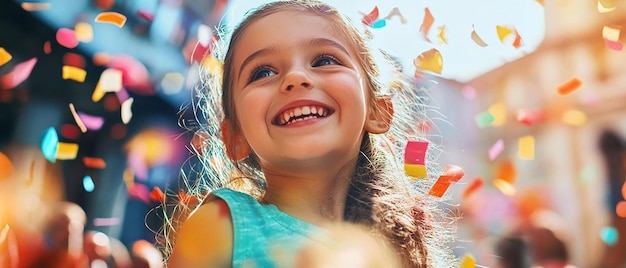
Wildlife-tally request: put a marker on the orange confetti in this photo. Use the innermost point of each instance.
(4, 56)
(620, 209)
(66, 151)
(157, 195)
(187, 199)
(452, 174)
(569, 86)
(30, 6)
(427, 23)
(94, 162)
(429, 60)
(505, 187)
(6, 167)
(517, 43)
(476, 184)
(506, 172)
(111, 17)
(74, 73)
(479, 41)
(371, 17)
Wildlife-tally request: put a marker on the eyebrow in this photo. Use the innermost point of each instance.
(320, 41)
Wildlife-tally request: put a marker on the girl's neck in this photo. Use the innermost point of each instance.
(317, 197)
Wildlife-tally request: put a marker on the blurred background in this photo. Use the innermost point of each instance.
(527, 97)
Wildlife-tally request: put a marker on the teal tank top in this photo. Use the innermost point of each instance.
(263, 235)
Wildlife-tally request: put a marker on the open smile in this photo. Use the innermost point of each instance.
(301, 113)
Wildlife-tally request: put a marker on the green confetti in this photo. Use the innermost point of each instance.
(484, 119)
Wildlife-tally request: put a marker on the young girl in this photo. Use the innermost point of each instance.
(299, 136)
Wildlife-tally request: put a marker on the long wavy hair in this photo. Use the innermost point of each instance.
(381, 196)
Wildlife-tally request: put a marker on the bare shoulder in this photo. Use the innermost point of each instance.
(206, 238)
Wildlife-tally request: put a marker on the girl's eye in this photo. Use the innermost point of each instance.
(261, 72)
(325, 60)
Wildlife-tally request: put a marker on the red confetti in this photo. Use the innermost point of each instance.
(69, 131)
(528, 117)
(47, 48)
(73, 59)
(67, 38)
(187, 199)
(371, 17)
(18, 75)
(157, 195)
(146, 15)
(476, 184)
(94, 162)
(452, 174)
(427, 23)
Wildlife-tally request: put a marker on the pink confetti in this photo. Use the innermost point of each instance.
(469, 92)
(146, 15)
(106, 221)
(67, 38)
(122, 95)
(496, 149)
(140, 192)
(91, 122)
(614, 45)
(18, 75)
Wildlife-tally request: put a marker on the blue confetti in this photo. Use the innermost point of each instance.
(379, 24)
(50, 144)
(609, 235)
(88, 184)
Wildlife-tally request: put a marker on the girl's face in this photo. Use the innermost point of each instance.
(299, 94)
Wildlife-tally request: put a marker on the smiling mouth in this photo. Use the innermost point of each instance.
(301, 113)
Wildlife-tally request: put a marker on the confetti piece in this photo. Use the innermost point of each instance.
(506, 171)
(4, 56)
(172, 83)
(212, 66)
(476, 38)
(29, 6)
(614, 45)
(427, 22)
(484, 119)
(126, 111)
(415, 158)
(452, 174)
(609, 235)
(468, 261)
(122, 95)
(379, 24)
(526, 147)
(84, 32)
(504, 32)
(496, 149)
(569, 86)
(528, 117)
(610, 33)
(129, 177)
(198, 53)
(517, 43)
(88, 184)
(146, 15)
(505, 187)
(47, 47)
(94, 162)
(67, 38)
(66, 151)
(74, 73)
(469, 92)
(49, 144)
(498, 111)
(205, 35)
(6, 167)
(429, 60)
(112, 18)
(574, 117)
(442, 34)
(605, 6)
(73, 59)
(139, 191)
(476, 184)
(106, 221)
(110, 81)
(371, 17)
(620, 209)
(396, 12)
(19, 74)
(79, 121)
(157, 195)
(187, 199)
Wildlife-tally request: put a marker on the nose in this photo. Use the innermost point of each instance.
(296, 79)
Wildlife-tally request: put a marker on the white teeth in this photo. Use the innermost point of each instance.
(306, 110)
(313, 110)
(304, 113)
(320, 111)
(286, 117)
(297, 111)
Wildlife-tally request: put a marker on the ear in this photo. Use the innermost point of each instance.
(237, 148)
(379, 117)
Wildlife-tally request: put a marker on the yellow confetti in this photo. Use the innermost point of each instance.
(429, 60)
(66, 151)
(74, 73)
(212, 65)
(84, 32)
(29, 6)
(610, 33)
(498, 111)
(442, 34)
(79, 121)
(110, 81)
(605, 6)
(468, 261)
(574, 117)
(112, 17)
(4, 56)
(504, 186)
(129, 177)
(503, 32)
(126, 112)
(526, 147)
